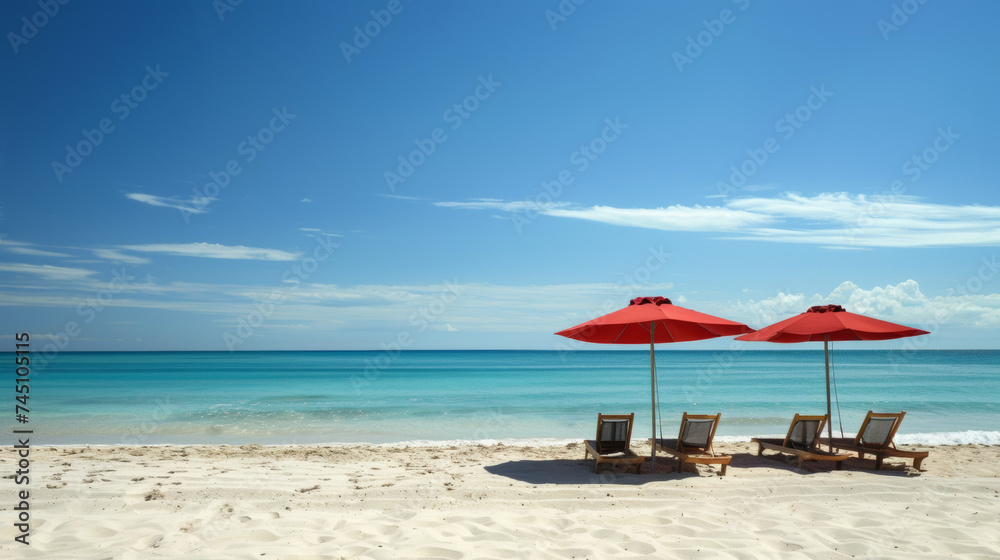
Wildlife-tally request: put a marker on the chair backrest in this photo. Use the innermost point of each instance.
(804, 431)
(878, 429)
(614, 432)
(697, 431)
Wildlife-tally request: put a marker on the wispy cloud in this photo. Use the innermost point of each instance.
(214, 251)
(482, 308)
(313, 232)
(671, 218)
(832, 220)
(307, 200)
(497, 204)
(35, 252)
(117, 256)
(48, 272)
(895, 221)
(192, 207)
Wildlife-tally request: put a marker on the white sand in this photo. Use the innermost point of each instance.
(493, 502)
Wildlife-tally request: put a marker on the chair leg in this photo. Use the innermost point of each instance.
(760, 449)
(723, 472)
(916, 462)
(878, 461)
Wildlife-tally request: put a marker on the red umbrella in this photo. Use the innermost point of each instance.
(652, 320)
(826, 323)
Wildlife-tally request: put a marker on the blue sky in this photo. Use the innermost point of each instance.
(333, 175)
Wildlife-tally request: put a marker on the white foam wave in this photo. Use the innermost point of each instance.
(533, 442)
(950, 438)
(970, 437)
(974, 437)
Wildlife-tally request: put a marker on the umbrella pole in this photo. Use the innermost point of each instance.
(829, 416)
(652, 392)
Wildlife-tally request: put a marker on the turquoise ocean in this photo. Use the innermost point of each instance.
(522, 397)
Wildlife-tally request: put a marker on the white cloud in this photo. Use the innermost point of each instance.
(25, 248)
(117, 256)
(860, 221)
(497, 204)
(313, 232)
(902, 303)
(214, 251)
(47, 272)
(307, 200)
(479, 309)
(194, 207)
(35, 252)
(832, 220)
(672, 218)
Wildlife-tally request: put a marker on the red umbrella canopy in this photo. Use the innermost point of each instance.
(631, 325)
(832, 322)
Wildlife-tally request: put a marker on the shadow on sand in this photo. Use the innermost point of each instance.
(566, 471)
(580, 472)
(787, 463)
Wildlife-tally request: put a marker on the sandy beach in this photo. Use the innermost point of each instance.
(496, 501)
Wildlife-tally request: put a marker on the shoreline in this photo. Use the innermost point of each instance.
(968, 437)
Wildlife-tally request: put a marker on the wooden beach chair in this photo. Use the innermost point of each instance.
(802, 441)
(694, 442)
(612, 444)
(875, 438)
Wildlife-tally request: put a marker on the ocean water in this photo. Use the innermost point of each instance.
(526, 396)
